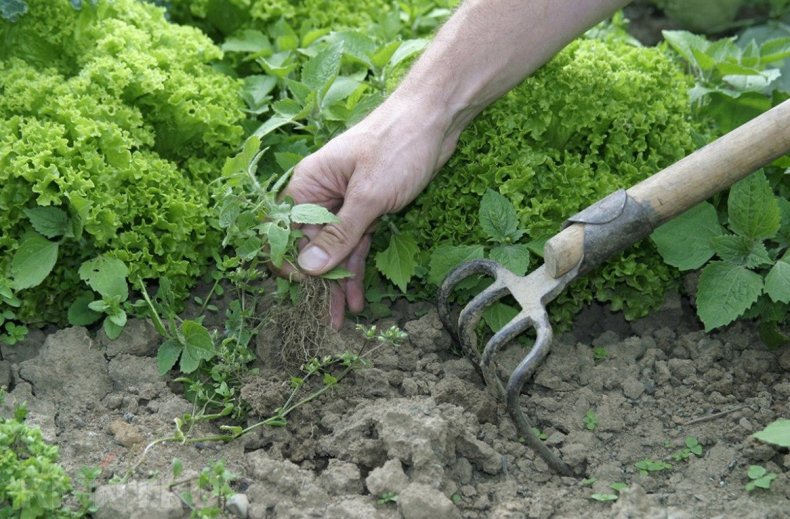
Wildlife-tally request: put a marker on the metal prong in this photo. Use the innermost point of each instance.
(464, 271)
(473, 312)
(508, 332)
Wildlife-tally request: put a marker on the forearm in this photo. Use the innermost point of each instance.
(488, 46)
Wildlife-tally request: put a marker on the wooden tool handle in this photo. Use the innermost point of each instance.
(684, 184)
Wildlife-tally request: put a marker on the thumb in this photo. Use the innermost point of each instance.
(335, 241)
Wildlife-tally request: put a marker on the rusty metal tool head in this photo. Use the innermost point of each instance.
(588, 239)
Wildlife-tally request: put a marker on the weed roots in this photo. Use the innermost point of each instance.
(302, 324)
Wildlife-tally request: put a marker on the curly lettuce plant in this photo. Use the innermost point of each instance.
(114, 123)
(600, 116)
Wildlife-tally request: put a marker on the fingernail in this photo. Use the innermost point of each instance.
(313, 258)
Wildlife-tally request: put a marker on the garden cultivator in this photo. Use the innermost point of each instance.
(589, 238)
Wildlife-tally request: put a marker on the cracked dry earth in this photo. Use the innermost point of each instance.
(420, 425)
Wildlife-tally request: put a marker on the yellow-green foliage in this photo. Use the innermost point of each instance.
(116, 115)
(599, 117)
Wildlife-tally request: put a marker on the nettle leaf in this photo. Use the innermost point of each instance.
(685, 242)
(248, 40)
(107, 276)
(277, 238)
(498, 217)
(498, 315)
(198, 346)
(753, 208)
(777, 433)
(49, 221)
(398, 260)
(312, 214)
(513, 257)
(167, 355)
(80, 314)
(741, 250)
(323, 68)
(725, 292)
(444, 259)
(777, 282)
(33, 261)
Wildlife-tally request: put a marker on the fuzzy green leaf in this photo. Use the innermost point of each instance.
(106, 276)
(753, 209)
(33, 261)
(740, 250)
(777, 282)
(397, 262)
(111, 328)
(322, 69)
(513, 257)
(49, 221)
(498, 217)
(167, 355)
(312, 214)
(777, 433)
(725, 292)
(756, 471)
(241, 161)
(685, 242)
(446, 258)
(277, 238)
(198, 346)
(80, 314)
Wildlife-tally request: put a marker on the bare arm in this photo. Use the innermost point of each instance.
(385, 161)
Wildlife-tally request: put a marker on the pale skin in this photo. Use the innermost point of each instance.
(381, 164)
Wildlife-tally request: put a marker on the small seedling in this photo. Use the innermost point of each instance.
(692, 447)
(392, 335)
(590, 420)
(647, 466)
(387, 498)
(759, 478)
(617, 487)
(539, 434)
(600, 353)
(588, 482)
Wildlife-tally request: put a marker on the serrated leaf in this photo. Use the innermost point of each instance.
(740, 250)
(684, 242)
(777, 433)
(80, 314)
(33, 261)
(323, 68)
(338, 273)
(312, 214)
(498, 217)
(445, 258)
(498, 315)
(230, 210)
(106, 276)
(725, 292)
(513, 257)
(249, 248)
(167, 355)
(277, 238)
(248, 40)
(753, 208)
(398, 260)
(777, 282)
(198, 346)
(49, 221)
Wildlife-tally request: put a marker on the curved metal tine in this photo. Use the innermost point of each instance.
(465, 270)
(472, 313)
(510, 331)
(516, 382)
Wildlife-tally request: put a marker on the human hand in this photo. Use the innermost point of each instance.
(376, 167)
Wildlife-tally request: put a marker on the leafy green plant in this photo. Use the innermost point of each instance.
(388, 498)
(208, 492)
(645, 467)
(618, 487)
(776, 433)
(753, 266)
(692, 446)
(113, 145)
(560, 141)
(759, 477)
(590, 420)
(600, 354)
(34, 485)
